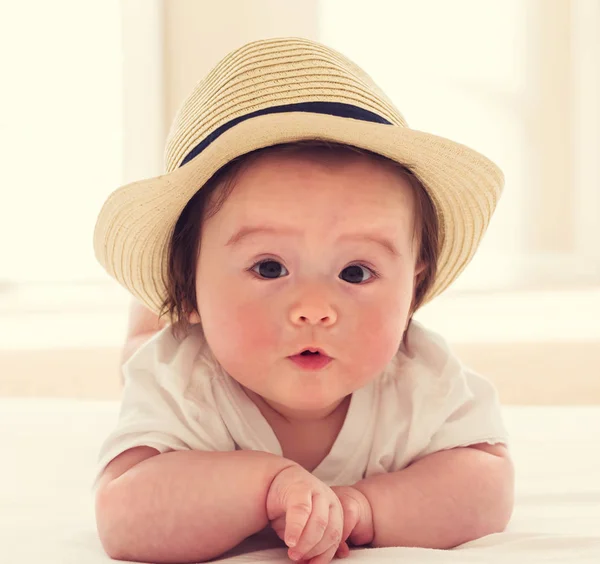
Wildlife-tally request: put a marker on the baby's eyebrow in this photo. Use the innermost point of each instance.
(374, 237)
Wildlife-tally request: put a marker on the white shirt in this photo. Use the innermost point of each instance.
(177, 397)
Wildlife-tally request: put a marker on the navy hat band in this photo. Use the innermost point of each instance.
(329, 108)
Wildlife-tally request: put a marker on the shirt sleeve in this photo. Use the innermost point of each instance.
(470, 414)
(167, 404)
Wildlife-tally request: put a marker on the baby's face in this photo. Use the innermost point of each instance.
(311, 221)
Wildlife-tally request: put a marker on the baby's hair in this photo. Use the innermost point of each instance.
(184, 244)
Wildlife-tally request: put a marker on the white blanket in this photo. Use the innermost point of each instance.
(48, 456)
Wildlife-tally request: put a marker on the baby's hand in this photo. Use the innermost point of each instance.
(305, 514)
(358, 518)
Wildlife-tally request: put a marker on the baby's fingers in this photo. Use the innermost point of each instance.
(324, 558)
(316, 537)
(278, 525)
(343, 550)
(299, 508)
(329, 529)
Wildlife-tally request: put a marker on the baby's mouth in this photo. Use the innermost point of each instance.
(312, 352)
(308, 359)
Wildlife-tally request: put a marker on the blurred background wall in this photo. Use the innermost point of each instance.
(89, 90)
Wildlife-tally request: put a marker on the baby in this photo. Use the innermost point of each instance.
(299, 226)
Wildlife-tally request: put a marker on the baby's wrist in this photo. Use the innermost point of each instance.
(284, 474)
(364, 504)
(363, 531)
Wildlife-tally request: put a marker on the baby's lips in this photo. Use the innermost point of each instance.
(312, 350)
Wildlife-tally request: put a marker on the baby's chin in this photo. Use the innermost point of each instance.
(306, 407)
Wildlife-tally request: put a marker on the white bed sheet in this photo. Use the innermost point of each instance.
(48, 456)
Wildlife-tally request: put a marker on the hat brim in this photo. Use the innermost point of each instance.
(135, 224)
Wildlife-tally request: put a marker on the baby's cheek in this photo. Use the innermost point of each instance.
(380, 335)
(252, 330)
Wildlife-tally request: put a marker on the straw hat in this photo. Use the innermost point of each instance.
(276, 91)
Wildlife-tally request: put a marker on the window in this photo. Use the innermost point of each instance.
(61, 135)
(84, 99)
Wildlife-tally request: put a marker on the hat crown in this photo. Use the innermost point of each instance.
(266, 74)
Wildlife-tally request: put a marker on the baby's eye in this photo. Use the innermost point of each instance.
(268, 268)
(271, 269)
(354, 275)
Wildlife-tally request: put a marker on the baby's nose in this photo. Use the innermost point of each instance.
(313, 314)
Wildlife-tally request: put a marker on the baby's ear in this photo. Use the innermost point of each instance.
(419, 271)
(194, 318)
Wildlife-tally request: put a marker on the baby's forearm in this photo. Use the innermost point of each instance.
(443, 500)
(186, 506)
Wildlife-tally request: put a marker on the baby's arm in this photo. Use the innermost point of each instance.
(444, 499)
(182, 506)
